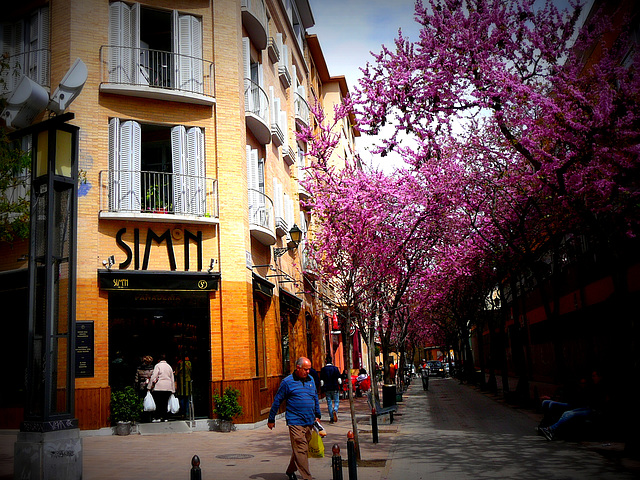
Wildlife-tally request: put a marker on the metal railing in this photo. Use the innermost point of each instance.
(145, 67)
(261, 211)
(136, 191)
(34, 64)
(301, 108)
(256, 100)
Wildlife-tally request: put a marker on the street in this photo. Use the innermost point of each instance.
(456, 432)
(451, 432)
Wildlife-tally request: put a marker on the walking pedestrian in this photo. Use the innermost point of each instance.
(162, 385)
(330, 381)
(303, 409)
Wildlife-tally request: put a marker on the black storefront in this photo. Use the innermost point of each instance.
(154, 313)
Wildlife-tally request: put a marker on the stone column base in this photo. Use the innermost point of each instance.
(48, 455)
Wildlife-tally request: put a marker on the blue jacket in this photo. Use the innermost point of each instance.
(330, 374)
(302, 401)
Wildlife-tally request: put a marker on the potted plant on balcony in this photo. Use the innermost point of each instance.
(227, 407)
(156, 199)
(126, 407)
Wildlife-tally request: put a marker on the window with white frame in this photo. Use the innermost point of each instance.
(154, 168)
(161, 48)
(25, 43)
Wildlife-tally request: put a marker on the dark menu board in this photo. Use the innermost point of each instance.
(84, 349)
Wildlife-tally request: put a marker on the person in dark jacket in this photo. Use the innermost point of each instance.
(330, 381)
(303, 409)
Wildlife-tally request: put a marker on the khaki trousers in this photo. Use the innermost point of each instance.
(300, 437)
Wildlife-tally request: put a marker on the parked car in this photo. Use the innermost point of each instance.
(436, 368)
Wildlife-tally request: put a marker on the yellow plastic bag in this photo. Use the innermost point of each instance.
(316, 447)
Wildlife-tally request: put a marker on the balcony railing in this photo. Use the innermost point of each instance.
(301, 109)
(256, 106)
(156, 74)
(254, 19)
(34, 64)
(142, 192)
(261, 217)
(309, 264)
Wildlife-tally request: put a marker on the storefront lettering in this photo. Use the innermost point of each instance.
(166, 238)
(120, 283)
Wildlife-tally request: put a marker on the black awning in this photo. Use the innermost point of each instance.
(130, 280)
(262, 286)
(14, 279)
(289, 302)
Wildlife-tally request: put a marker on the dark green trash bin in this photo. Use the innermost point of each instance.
(388, 395)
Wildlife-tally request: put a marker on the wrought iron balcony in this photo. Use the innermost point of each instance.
(261, 217)
(156, 74)
(302, 111)
(256, 107)
(254, 19)
(165, 196)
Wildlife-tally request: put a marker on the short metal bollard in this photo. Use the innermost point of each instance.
(336, 462)
(351, 456)
(196, 473)
(374, 425)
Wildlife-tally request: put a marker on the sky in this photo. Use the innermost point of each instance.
(348, 30)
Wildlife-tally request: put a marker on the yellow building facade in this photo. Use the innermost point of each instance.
(190, 170)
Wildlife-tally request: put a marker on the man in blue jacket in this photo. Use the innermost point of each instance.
(303, 409)
(330, 381)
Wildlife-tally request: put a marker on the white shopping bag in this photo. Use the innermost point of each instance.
(149, 403)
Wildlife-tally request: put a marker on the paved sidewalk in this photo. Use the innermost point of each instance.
(451, 432)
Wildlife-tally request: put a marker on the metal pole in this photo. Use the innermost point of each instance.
(336, 462)
(351, 456)
(374, 425)
(196, 473)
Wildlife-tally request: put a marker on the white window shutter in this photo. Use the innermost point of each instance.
(124, 32)
(246, 58)
(188, 44)
(276, 208)
(39, 46)
(285, 129)
(251, 185)
(130, 153)
(138, 73)
(196, 170)
(179, 164)
(114, 165)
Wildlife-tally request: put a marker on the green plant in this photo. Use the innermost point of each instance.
(156, 197)
(227, 406)
(126, 405)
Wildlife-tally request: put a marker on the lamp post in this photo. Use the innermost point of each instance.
(295, 235)
(49, 444)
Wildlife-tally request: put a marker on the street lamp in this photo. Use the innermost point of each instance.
(295, 236)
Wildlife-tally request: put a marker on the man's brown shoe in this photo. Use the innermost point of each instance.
(335, 416)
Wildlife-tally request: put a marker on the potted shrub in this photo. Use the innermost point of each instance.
(227, 407)
(126, 407)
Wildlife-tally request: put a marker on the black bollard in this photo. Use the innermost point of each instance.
(351, 456)
(336, 462)
(196, 473)
(374, 425)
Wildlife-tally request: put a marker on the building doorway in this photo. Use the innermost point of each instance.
(176, 324)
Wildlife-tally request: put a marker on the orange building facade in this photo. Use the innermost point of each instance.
(190, 184)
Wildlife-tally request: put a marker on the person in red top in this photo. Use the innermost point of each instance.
(392, 371)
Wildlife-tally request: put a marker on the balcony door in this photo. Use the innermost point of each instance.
(156, 168)
(159, 48)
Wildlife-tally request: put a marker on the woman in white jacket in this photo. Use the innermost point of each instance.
(162, 385)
